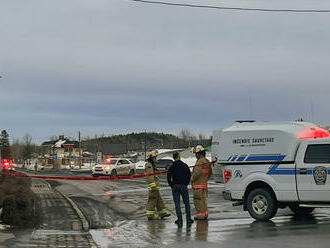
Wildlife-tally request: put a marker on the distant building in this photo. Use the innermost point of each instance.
(63, 150)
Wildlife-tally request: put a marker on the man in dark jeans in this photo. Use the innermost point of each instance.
(178, 177)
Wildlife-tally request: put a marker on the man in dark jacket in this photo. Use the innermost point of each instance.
(178, 177)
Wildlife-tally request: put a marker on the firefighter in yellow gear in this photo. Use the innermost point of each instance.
(200, 176)
(155, 201)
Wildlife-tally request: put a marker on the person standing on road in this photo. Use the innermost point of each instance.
(35, 168)
(178, 177)
(154, 198)
(200, 176)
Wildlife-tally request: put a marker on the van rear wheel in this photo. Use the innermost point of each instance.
(300, 210)
(261, 204)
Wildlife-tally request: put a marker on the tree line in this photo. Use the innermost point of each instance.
(19, 150)
(152, 140)
(23, 149)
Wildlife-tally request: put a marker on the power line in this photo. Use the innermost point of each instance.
(232, 8)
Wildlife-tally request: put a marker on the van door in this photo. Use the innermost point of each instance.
(313, 167)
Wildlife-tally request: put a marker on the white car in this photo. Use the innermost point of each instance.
(114, 167)
(140, 167)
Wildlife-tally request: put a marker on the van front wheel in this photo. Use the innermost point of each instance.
(261, 204)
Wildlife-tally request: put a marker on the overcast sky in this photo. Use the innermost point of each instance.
(113, 66)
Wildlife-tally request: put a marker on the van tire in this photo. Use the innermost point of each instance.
(300, 210)
(131, 173)
(261, 204)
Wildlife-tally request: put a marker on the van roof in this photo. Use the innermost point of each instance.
(242, 141)
(287, 126)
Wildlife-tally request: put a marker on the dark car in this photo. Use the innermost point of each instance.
(164, 164)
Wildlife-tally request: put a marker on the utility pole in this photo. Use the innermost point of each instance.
(79, 137)
(53, 156)
(145, 144)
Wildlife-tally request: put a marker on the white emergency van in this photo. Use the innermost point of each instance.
(267, 165)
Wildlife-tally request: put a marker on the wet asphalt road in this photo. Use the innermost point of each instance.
(116, 211)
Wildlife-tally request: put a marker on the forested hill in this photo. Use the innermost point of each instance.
(136, 141)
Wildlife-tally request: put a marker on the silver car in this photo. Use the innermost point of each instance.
(114, 167)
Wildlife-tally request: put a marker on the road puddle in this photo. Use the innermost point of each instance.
(212, 233)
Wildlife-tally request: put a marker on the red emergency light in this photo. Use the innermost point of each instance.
(5, 164)
(313, 133)
(107, 161)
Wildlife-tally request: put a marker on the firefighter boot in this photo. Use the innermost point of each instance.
(163, 214)
(153, 217)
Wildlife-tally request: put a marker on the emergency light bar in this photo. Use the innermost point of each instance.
(313, 133)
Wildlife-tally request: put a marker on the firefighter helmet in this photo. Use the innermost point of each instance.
(152, 154)
(198, 149)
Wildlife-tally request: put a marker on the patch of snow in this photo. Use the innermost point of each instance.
(167, 157)
(160, 151)
(59, 143)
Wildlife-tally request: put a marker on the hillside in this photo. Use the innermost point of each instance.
(136, 141)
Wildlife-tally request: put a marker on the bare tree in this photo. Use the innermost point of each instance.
(201, 136)
(27, 146)
(187, 135)
(53, 138)
(16, 150)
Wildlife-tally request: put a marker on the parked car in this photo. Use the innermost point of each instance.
(140, 167)
(164, 163)
(114, 167)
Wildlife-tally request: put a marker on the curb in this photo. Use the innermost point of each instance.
(81, 216)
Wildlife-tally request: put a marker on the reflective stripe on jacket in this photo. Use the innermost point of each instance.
(199, 186)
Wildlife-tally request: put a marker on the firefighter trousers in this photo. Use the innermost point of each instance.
(155, 201)
(200, 202)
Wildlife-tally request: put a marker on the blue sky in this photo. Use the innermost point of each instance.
(114, 66)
